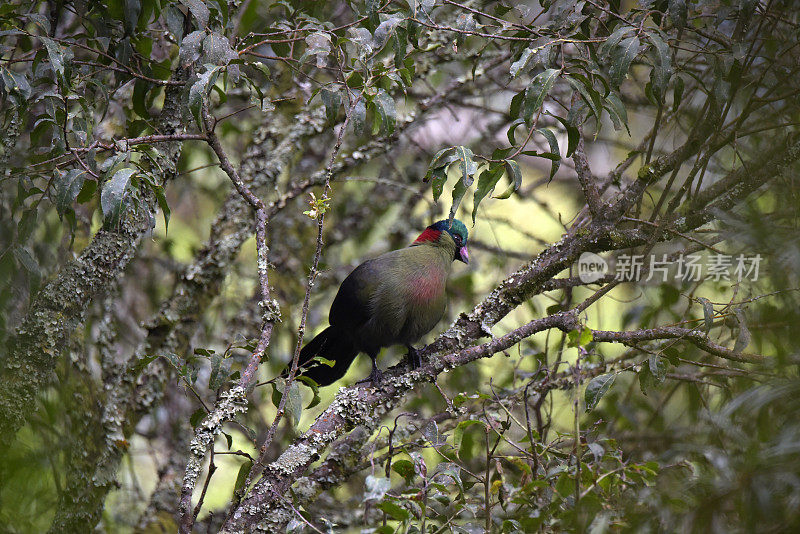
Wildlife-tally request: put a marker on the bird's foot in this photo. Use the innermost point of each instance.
(413, 358)
(375, 377)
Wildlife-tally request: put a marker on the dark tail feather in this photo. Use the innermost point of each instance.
(330, 344)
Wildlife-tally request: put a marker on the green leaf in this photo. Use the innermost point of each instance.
(420, 466)
(576, 112)
(553, 142)
(27, 224)
(310, 382)
(405, 469)
(394, 511)
(510, 132)
(521, 62)
(565, 485)
(537, 91)
(588, 92)
(621, 59)
(241, 477)
(218, 375)
(384, 31)
(174, 19)
(438, 170)
(294, 403)
(459, 190)
(384, 105)
(28, 261)
(16, 82)
(708, 313)
(617, 111)
(465, 164)
(217, 50)
(324, 361)
(678, 13)
(277, 391)
(359, 117)
(613, 41)
(743, 339)
(376, 488)
(362, 39)
(458, 433)
(197, 417)
(199, 11)
(450, 470)
(332, 99)
(580, 338)
(174, 360)
(677, 92)
(437, 184)
(486, 183)
(573, 135)
(660, 75)
(132, 9)
(596, 388)
(198, 92)
(514, 176)
(586, 336)
(431, 433)
(162, 203)
(647, 381)
(515, 108)
(672, 355)
(189, 51)
(141, 363)
(658, 368)
(68, 186)
(139, 98)
(112, 198)
(400, 44)
(442, 158)
(56, 54)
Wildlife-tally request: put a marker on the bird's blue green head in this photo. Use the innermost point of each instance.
(456, 229)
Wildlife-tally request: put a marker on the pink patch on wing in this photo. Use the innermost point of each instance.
(428, 235)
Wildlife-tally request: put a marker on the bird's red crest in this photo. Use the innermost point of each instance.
(428, 235)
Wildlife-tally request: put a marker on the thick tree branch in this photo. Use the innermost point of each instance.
(91, 475)
(61, 305)
(265, 507)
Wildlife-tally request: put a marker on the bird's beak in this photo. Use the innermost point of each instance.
(463, 254)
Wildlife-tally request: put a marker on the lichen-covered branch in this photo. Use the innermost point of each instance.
(265, 507)
(60, 306)
(90, 476)
(234, 400)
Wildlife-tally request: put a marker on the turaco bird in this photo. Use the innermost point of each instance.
(393, 299)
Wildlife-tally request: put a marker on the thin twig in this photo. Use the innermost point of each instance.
(306, 301)
(211, 469)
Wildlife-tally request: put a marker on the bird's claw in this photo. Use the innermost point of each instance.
(414, 359)
(375, 377)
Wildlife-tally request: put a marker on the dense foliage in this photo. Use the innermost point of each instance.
(185, 183)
